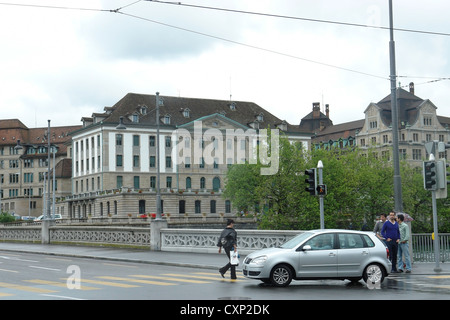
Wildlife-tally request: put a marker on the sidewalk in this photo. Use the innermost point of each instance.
(182, 259)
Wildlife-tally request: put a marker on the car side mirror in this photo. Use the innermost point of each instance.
(306, 248)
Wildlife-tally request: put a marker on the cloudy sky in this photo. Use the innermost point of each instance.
(68, 62)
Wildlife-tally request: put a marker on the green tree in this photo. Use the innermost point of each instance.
(359, 188)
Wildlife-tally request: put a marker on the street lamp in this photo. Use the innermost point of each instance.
(159, 102)
(17, 148)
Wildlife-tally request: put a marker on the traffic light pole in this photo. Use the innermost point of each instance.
(320, 168)
(437, 268)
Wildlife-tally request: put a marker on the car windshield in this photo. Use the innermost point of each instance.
(294, 242)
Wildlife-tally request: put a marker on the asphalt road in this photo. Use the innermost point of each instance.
(28, 276)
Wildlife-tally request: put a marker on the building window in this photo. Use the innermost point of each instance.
(152, 182)
(119, 160)
(417, 154)
(198, 206)
(168, 141)
(119, 138)
(152, 141)
(136, 161)
(188, 183)
(216, 184)
(152, 161)
(168, 162)
(202, 183)
(119, 183)
(213, 206)
(182, 206)
(136, 182)
(186, 113)
(135, 140)
(227, 206)
(169, 182)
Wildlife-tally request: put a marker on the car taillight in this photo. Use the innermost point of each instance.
(387, 253)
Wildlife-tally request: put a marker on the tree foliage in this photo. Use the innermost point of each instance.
(359, 188)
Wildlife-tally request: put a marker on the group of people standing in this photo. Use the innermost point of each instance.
(395, 233)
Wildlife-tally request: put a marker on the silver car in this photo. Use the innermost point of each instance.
(321, 254)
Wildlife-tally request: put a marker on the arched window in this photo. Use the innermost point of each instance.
(216, 184)
(202, 183)
(188, 183)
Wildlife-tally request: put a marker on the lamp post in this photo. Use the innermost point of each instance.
(394, 112)
(159, 102)
(16, 149)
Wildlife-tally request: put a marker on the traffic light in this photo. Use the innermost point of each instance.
(321, 190)
(429, 175)
(311, 181)
(441, 172)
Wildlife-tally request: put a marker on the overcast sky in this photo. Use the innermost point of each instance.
(64, 64)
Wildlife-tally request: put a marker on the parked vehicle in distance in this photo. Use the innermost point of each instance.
(321, 254)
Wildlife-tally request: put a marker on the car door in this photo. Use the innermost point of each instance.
(318, 257)
(352, 254)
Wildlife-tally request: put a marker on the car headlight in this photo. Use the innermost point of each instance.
(260, 260)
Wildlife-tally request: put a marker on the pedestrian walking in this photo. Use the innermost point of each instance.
(390, 231)
(403, 246)
(228, 240)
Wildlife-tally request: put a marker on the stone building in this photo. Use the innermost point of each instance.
(418, 123)
(115, 159)
(24, 166)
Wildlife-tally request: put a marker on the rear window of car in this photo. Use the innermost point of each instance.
(354, 241)
(369, 241)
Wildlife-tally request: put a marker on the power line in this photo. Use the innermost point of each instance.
(118, 10)
(253, 46)
(301, 18)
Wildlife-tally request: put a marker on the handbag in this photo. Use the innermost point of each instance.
(234, 258)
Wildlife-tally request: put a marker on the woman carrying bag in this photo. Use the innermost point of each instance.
(228, 240)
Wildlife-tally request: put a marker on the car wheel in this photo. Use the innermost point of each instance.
(373, 273)
(281, 275)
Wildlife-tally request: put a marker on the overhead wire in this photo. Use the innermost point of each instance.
(119, 11)
(350, 24)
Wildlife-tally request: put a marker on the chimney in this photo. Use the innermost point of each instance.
(316, 110)
(327, 110)
(411, 87)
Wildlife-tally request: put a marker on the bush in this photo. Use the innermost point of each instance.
(6, 217)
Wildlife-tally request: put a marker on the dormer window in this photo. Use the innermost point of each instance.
(144, 110)
(282, 126)
(166, 119)
(232, 106)
(135, 118)
(186, 113)
(260, 117)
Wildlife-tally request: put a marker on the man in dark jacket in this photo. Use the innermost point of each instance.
(390, 231)
(228, 240)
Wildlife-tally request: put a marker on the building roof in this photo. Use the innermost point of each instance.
(183, 110)
(12, 130)
(407, 105)
(338, 131)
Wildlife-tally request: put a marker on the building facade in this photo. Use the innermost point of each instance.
(24, 166)
(115, 155)
(418, 124)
